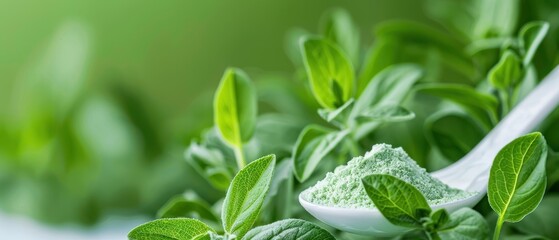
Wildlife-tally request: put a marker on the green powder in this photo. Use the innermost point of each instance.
(343, 187)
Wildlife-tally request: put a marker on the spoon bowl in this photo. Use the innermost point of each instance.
(471, 173)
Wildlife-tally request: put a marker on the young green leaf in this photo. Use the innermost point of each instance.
(187, 206)
(246, 194)
(507, 72)
(289, 229)
(388, 113)
(338, 27)
(329, 71)
(464, 224)
(209, 163)
(313, 144)
(337, 116)
(517, 179)
(172, 228)
(531, 35)
(481, 106)
(235, 107)
(399, 202)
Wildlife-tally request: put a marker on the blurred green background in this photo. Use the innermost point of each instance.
(100, 99)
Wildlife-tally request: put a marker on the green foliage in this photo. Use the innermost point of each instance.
(329, 71)
(289, 229)
(400, 202)
(507, 72)
(517, 179)
(246, 195)
(173, 228)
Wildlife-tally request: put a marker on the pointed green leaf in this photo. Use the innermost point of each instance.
(171, 229)
(210, 163)
(337, 116)
(289, 229)
(313, 144)
(399, 202)
(481, 106)
(517, 179)
(465, 224)
(235, 107)
(531, 36)
(507, 72)
(329, 71)
(246, 195)
(338, 27)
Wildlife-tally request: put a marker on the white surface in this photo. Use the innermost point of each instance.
(23, 228)
(471, 173)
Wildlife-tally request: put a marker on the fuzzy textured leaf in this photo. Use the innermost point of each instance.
(246, 194)
(329, 71)
(235, 107)
(517, 179)
(399, 202)
(289, 229)
(171, 229)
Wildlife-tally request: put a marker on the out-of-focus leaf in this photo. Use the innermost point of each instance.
(386, 113)
(508, 71)
(482, 107)
(454, 134)
(381, 55)
(552, 168)
(289, 229)
(210, 163)
(313, 144)
(399, 202)
(278, 201)
(543, 221)
(531, 35)
(337, 116)
(173, 228)
(189, 206)
(246, 194)
(496, 18)
(465, 224)
(338, 27)
(329, 71)
(235, 107)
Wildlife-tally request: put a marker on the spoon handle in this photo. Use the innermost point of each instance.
(472, 171)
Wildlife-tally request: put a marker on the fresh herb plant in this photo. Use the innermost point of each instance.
(342, 100)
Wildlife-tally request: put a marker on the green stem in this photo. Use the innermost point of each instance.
(239, 156)
(505, 102)
(497, 233)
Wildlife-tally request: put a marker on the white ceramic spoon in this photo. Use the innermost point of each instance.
(471, 173)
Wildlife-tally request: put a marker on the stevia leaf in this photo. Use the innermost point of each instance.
(517, 179)
(531, 35)
(235, 107)
(389, 87)
(496, 18)
(278, 201)
(289, 229)
(482, 107)
(454, 134)
(440, 217)
(210, 163)
(543, 221)
(172, 228)
(399, 202)
(313, 144)
(338, 27)
(187, 205)
(388, 113)
(246, 194)
(507, 72)
(337, 116)
(465, 224)
(329, 71)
